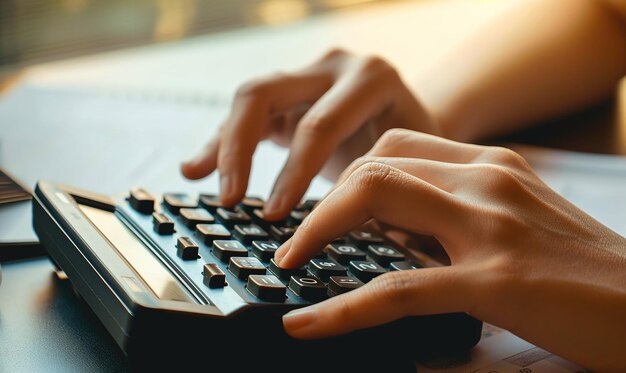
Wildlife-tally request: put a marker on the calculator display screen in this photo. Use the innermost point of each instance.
(154, 274)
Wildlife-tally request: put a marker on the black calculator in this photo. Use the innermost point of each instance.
(179, 280)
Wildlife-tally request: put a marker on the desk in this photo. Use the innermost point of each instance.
(44, 326)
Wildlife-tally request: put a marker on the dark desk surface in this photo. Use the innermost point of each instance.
(46, 327)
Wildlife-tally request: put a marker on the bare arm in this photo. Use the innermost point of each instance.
(540, 59)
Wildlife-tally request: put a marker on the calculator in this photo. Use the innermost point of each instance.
(180, 279)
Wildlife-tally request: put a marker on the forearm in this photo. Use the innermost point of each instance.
(540, 59)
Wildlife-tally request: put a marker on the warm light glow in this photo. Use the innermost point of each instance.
(276, 12)
(174, 18)
(74, 6)
(342, 3)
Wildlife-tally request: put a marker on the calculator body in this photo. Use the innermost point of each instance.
(162, 310)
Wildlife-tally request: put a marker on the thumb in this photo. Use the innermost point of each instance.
(388, 297)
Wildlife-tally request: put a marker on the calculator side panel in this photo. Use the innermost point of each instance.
(71, 241)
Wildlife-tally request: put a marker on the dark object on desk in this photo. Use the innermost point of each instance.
(159, 309)
(11, 190)
(17, 238)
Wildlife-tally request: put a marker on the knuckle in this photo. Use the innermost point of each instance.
(378, 66)
(364, 159)
(392, 287)
(371, 176)
(389, 139)
(335, 53)
(317, 125)
(506, 157)
(500, 179)
(259, 88)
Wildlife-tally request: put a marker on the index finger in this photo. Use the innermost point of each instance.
(375, 191)
(251, 115)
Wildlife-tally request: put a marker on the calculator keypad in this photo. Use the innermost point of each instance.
(237, 247)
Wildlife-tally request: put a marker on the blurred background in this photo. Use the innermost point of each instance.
(34, 31)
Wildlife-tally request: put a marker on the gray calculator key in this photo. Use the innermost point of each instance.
(244, 266)
(264, 250)
(226, 249)
(192, 217)
(365, 270)
(141, 201)
(324, 268)
(344, 253)
(214, 277)
(308, 287)
(249, 233)
(211, 232)
(176, 201)
(404, 265)
(186, 248)
(267, 287)
(342, 284)
(162, 224)
(384, 254)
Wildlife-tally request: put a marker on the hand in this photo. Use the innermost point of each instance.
(523, 258)
(328, 114)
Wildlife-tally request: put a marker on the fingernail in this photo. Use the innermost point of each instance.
(299, 319)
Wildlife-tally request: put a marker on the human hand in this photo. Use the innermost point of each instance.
(522, 257)
(328, 114)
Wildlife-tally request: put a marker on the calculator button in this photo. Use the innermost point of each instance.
(282, 234)
(162, 224)
(193, 217)
(211, 202)
(285, 274)
(404, 265)
(364, 270)
(384, 254)
(310, 204)
(344, 252)
(342, 284)
(224, 250)
(296, 217)
(264, 250)
(214, 277)
(243, 266)
(249, 204)
(211, 232)
(259, 219)
(267, 287)
(363, 239)
(176, 201)
(230, 217)
(324, 268)
(187, 249)
(141, 201)
(309, 288)
(249, 233)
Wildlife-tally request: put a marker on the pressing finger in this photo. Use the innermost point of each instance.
(403, 293)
